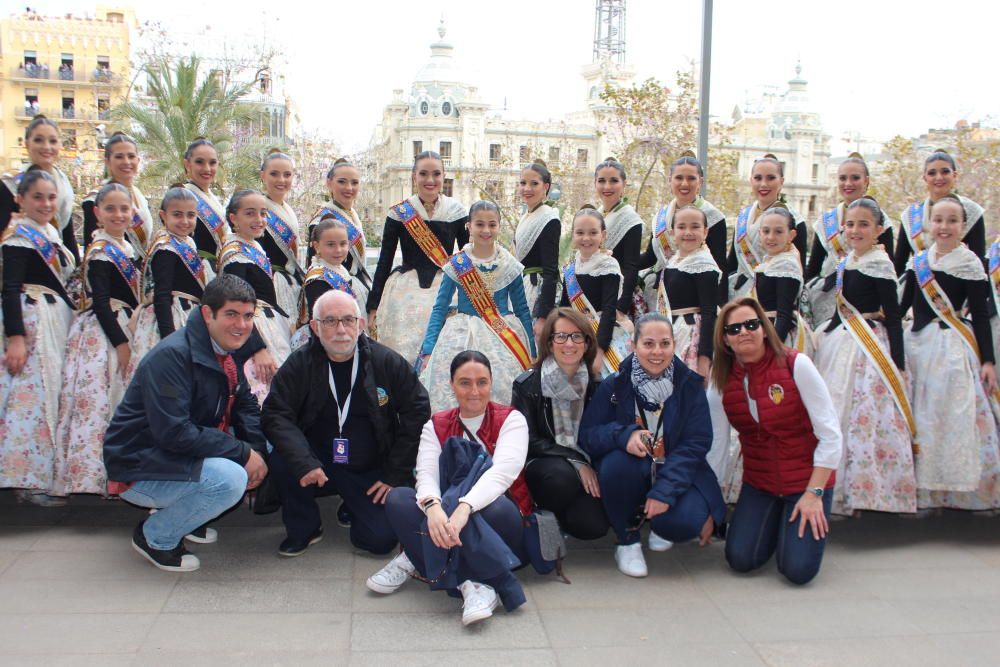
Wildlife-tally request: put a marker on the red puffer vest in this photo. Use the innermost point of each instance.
(447, 424)
(777, 451)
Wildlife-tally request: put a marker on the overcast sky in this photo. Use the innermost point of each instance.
(875, 68)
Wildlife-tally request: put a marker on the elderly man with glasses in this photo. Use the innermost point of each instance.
(344, 416)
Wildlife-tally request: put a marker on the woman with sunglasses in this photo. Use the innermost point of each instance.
(552, 397)
(789, 439)
(647, 432)
(461, 534)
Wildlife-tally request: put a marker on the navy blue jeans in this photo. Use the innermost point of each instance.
(760, 528)
(625, 481)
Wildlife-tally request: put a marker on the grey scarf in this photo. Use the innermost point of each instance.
(567, 396)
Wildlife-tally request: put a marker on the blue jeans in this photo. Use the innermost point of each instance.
(760, 528)
(183, 506)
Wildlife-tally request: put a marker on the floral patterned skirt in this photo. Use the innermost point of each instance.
(93, 385)
(274, 329)
(147, 332)
(286, 291)
(29, 401)
(687, 337)
(404, 312)
(957, 460)
(876, 468)
(469, 332)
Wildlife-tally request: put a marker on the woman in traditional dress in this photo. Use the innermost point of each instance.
(860, 356)
(344, 182)
(830, 245)
(688, 288)
(37, 312)
(327, 272)
(777, 280)
(686, 180)
(176, 271)
(426, 226)
(41, 138)
(492, 317)
(201, 162)
(940, 178)
(99, 362)
(281, 239)
(243, 256)
(536, 242)
(766, 180)
(624, 231)
(592, 283)
(953, 379)
(121, 160)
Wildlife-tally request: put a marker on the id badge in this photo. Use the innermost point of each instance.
(341, 450)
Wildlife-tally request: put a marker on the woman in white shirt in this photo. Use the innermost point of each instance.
(430, 518)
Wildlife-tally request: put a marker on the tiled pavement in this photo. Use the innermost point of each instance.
(892, 591)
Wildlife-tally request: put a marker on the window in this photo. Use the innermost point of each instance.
(424, 108)
(444, 148)
(418, 148)
(523, 154)
(496, 154)
(103, 70)
(553, 155)
(494, 189)
(66, 67)
(815, 172)
(581, 157)
(31, 107)
(68, 105)
(449, 186)
(446, 108)
(812, 203)
(103, 106)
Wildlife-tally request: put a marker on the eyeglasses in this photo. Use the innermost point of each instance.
(736, 327)
(561, 337)
(349, 321)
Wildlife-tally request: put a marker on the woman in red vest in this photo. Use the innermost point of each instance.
(434, 510)
(789, 438)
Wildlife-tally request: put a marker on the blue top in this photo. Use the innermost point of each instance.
(506, 298)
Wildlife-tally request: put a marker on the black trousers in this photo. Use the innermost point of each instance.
(555, 486)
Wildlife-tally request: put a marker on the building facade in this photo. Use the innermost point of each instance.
(74, 70)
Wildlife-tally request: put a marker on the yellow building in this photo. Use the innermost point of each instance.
(73, 70)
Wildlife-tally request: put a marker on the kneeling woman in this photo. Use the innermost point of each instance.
(790, 439)
(552, 397)
(648, 431)
(465, 533)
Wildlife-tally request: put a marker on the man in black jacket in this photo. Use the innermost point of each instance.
(343, 412)
(169, 445)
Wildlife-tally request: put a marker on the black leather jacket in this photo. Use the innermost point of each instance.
(527, 399)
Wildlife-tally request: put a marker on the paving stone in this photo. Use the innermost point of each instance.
(53, 632)
(426, 632)
(183, 634)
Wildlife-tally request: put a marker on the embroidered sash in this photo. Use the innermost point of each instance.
(915, 227)
(354, 235)
(475, 288)
(332, 278)
(126, 267)
(831, 230)
(994, 270)
(863, 336)
(579, 301)
(282, 233)
(45, 248)
(661, 231)
(744, 248)
(939, 301)
(258, 257)
(208, 215)
(421, 233)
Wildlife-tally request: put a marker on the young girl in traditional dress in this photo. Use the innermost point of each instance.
(688, 291)
(176, 271)
(777, 282)
(624, 230)
(536, 242)
(121, 160)
(99, 362)
(331, 248)
(201, 162)
(830, 244)
(37, 312)
(344, 182)
(426, 226)
(951, 366)
(940, 178)
(41, 138)
(592, 284)
(766, 180)
(243, 256)
(281, 240)
(860, 355)
(492, 317)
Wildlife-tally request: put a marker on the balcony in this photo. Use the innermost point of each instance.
(69, 115)
(38, 73)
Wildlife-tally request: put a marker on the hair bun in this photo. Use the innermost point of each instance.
(540, 162)
(689, 153)
(856, 155)
(770, 156)
(341, 160)
(611, 159)
(273, 150)
(588, 207)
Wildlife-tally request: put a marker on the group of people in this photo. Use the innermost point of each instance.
(473, 403)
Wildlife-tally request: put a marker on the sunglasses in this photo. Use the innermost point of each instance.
(736, 327)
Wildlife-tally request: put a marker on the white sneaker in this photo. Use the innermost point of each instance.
(630, 560)
(480, 601)
(392, 576)
(657, 543)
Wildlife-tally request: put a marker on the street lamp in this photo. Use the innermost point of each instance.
(706, 72)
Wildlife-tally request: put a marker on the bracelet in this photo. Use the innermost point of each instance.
(429, 503)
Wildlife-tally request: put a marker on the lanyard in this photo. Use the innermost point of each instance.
(642, 416)
(342, 412)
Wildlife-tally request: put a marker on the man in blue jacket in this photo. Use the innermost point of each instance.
(186, 438)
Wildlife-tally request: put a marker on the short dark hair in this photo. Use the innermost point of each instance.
(469, 356)
(577, 319)
(645, 319)
(227, 287)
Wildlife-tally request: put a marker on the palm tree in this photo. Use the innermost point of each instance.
(178, 109)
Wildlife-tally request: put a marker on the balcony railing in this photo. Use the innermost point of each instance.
(95, 75)
(62, 114)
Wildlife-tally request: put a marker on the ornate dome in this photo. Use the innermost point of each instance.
(440, 84)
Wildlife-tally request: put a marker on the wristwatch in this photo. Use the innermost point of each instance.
(817, 491)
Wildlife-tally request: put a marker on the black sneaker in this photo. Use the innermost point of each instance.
(344, 515)
(203, 535)
(291, 547)
(172, 560)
